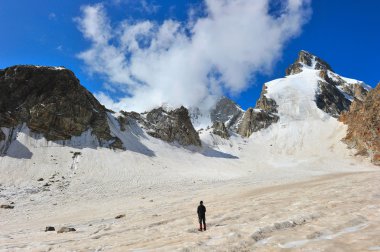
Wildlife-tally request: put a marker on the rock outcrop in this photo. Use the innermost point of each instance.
(228, 112)
(331, 100)
(50, 101)
(255, 120)
(169, 126)
(260, 117)
(363, 120)
(218, 128)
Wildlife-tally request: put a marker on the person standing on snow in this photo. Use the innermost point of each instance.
(201, 216)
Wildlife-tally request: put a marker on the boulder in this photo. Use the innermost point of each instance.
(49, 228)
(120, 216)
(7, 206)
(66, 230)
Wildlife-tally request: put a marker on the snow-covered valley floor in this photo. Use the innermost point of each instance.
(336, 212)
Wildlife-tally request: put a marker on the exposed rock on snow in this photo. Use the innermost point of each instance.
(363, 122)
(255, 120)
(49, 228)
(66, 230)
(260, 117)
(266, 104)
(308, 60)
(331, 100)
(50, 102)
(227, 112)
(6, 206)
(170, 126)
(220, 129)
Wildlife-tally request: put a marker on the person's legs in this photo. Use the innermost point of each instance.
(204, 223)
(200, 223)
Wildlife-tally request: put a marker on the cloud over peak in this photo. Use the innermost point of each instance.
(187, 63)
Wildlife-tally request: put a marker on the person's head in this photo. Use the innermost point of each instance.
(201, 202)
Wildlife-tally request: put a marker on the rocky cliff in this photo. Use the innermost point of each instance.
(363, 121)
(259, 117)
(52, 102)
(169, 126)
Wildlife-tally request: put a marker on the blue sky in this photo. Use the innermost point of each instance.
(344, 33)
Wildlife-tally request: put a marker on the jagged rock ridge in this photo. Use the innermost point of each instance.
(363, 120)
(170, 126)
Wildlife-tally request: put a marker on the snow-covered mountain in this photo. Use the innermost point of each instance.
(42, 107)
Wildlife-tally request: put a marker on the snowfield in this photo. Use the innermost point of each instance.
(294, 185)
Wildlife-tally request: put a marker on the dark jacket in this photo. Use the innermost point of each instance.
(201, 210)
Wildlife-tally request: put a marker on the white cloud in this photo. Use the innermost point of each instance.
(187, 63)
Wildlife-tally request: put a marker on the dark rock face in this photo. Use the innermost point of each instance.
(335, 95)
(309, 60)
(363, 120)
(260, 117)
(331, 100)
(356, 91)
(220, 129)
(226, 111)
(255, 120)
(50, 101)
(170, 126)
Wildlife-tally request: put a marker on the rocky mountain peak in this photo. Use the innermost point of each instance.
(227, 112)
(308, 60)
